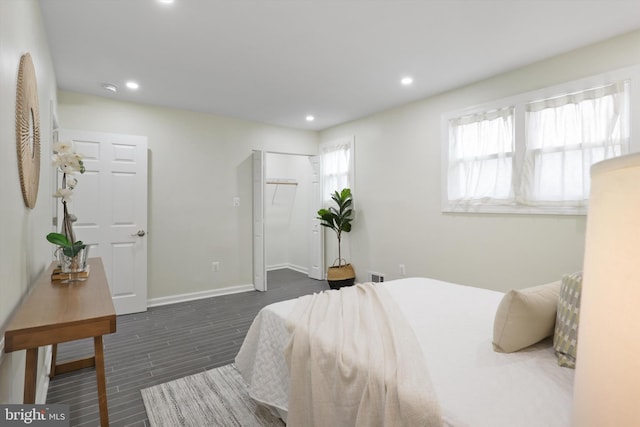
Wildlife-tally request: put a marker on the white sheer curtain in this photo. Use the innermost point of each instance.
(564, 137)
(481, 149)
(336, 167)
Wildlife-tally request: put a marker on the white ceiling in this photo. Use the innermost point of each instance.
(278, 61)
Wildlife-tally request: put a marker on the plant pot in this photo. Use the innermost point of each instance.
(73, 265)
(338, 277)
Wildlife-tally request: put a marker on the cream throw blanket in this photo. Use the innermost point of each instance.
(355, 361)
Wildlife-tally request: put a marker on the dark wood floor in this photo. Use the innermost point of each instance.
(163, 344)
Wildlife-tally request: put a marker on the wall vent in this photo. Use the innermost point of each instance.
(376, 277)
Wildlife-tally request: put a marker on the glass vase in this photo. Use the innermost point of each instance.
(73, 266)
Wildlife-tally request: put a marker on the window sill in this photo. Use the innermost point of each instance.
(515, 210)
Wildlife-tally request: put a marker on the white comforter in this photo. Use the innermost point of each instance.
(355, 361)
(475, 386)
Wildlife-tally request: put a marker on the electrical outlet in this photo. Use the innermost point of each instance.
(403, 270)
(215, 266)
(236, 201)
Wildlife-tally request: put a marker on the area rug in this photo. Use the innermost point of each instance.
(213, 398)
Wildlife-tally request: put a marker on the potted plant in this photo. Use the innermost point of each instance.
(339, 220)
(72, 254)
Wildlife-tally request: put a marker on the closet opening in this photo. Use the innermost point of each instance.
(291, 236)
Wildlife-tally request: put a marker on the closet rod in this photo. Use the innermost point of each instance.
(282, 183)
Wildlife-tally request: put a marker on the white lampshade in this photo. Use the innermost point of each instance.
(607, 378)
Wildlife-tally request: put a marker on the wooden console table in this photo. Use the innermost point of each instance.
(55, 312)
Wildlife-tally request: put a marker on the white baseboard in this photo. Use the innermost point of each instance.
(298, 268)
(294, 267)
(277, 267)
(155, 302)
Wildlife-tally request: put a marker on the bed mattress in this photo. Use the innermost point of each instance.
(475, 386)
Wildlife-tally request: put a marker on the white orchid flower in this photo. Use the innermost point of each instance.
(71, 183)
(57, 160)
(64, 193)
(68, 163)
(62, 147)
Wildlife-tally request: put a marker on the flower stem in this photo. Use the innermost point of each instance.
(67, 228)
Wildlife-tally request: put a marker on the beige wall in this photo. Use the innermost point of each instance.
(197, 164)
(398, 187)
(24, 251)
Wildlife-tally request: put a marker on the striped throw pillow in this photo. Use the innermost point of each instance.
(565, 337)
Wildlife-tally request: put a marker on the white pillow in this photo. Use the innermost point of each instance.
(525, 317)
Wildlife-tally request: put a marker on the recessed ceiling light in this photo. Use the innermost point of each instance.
(165, 1)
(406, 81)
(110, 87)
(132, 85)
(310, 118)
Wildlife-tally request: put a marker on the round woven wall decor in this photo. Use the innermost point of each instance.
(28, 131)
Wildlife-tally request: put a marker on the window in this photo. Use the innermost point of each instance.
(564, 136)
(481, 153)
(337, 167)
(525, 156)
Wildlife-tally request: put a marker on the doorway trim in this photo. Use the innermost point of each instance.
(259, 236)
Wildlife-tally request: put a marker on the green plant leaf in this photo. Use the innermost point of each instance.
(68, 248)
(59, 239)
(69, 252)
(338, 219)
(74, 249)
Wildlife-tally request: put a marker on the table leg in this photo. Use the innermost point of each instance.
(30, 371)
(102, 383)
(54, 356)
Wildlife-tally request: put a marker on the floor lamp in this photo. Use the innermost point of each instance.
(607, 378)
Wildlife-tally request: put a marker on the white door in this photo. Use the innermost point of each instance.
(259, 265)
(110, 202)
(316, 240)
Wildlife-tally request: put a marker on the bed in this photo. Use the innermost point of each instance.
(475, 385)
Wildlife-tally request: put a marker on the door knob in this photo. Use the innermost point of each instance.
(140, 233)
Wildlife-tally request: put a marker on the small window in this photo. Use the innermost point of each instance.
(337, 160)
(565, 135)
(481, 153)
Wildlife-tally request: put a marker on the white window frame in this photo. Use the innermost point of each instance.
(631, 74)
